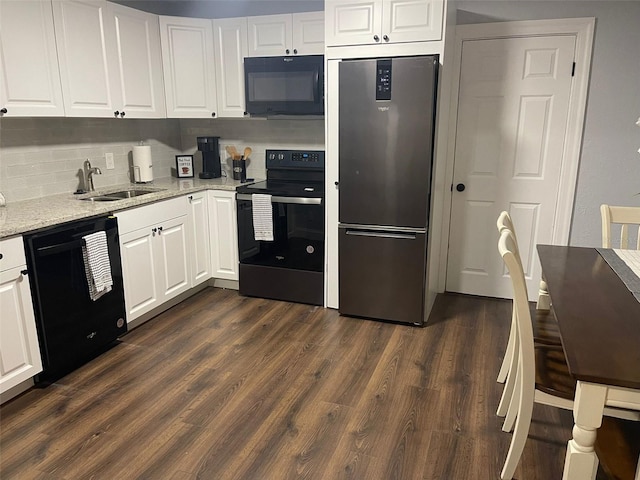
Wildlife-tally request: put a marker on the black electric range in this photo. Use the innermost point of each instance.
(290, 266)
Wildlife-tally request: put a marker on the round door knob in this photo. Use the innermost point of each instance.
(295, 50)
(376, 38)
(213, 114)
(386, 38)
(1, 256)
(336, 183)
(116, 113)
(246, 113)
(3, 110)
(460, 187)
(287, 51)
(122, 114)
(24, 272)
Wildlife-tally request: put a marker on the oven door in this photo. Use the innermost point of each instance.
(291, 267)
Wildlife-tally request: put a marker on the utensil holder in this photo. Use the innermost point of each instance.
(240, 170)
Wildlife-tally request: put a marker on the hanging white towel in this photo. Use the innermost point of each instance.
(97, 265)
(262, 217)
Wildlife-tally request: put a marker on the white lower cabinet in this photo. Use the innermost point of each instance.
(224, 234)
(155, 258)
(19, 349)
(200, 246)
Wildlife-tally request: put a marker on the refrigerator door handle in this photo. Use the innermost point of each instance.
(361, 233)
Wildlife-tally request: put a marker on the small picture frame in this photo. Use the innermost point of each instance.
(184, 166)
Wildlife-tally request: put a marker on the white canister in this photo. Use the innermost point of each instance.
(142, 166)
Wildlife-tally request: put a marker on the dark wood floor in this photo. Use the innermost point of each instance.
(228, 387)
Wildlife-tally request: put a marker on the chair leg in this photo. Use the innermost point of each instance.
(513, 410)
(508, 355)
(520, 432)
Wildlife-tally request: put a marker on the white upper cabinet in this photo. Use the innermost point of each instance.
(308, 33)
(230, 40)
(85, 36)
(288, 34)
(188, 66)
(30, 79)
(139, 66)
(366, 22)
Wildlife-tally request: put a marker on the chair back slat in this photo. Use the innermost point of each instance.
(626, 217)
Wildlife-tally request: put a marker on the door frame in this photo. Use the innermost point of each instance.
(583, 30)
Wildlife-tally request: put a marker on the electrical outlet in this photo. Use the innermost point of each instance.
(109, 158)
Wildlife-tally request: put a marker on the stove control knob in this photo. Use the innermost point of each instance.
(281, 156)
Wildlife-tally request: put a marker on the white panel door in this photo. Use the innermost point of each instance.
(139, 66)
(308, 33)
(85, 37)
(411, 20)
(512, 116)
(224, 235)
(174, 260)
(353, 22)
(137, 250)
(199, 243)
(270, 35)
(231, 44)
(30, 79)
(188, 67)
(19, 350)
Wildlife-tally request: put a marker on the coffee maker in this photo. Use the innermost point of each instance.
(209, 146)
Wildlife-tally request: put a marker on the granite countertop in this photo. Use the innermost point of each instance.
(21, 217)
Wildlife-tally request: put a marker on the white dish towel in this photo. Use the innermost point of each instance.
(262, 217)
(97, 265)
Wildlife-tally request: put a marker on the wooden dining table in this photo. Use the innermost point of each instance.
(599, 322)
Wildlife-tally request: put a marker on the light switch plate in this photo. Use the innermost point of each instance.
(109, 158)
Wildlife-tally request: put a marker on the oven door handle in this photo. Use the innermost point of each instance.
(275, 199)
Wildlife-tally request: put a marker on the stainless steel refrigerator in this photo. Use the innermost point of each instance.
(387, 112)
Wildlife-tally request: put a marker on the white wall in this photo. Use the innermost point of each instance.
(610, 164)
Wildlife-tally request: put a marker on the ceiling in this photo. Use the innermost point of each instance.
(223, 8)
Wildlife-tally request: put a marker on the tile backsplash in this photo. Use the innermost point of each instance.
(44, 156)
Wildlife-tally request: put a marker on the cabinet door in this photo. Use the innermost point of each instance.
(353, 22)
(224, 234)
(231, 44)
(173, 261)
(411, 20)
(270, 35)
(308, 33)
(188, 67)
(199, 245)
(139, 66)
(19, 350)
(85, 37)
(30, 82)
(137, 250)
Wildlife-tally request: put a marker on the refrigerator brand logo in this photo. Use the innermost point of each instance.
(288, 59)
(383, 109)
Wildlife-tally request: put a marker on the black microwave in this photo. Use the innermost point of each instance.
(284, 85)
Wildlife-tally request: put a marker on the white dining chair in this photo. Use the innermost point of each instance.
(548, 334)
(629, 220)
(541, 372)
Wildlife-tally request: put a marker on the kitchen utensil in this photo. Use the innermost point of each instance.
(231, 150)
(247, 152)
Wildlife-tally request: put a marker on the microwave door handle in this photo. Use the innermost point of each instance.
(276, 199)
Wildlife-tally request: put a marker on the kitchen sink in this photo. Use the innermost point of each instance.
(120, 195)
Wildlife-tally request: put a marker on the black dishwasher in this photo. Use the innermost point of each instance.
(73, 328)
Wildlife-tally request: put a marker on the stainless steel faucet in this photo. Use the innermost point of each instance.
(88, 171)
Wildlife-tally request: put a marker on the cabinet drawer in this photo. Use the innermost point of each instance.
(148, 215)
(12, 251)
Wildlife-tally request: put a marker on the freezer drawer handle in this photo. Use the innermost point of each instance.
(274, 199)
(360, 233)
